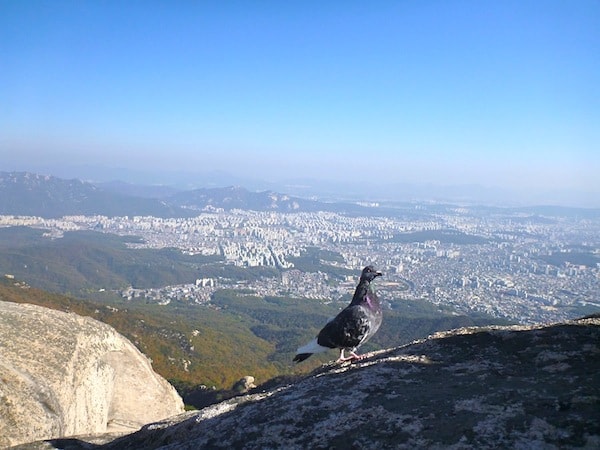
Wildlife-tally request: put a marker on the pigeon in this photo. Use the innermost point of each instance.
(353, 326)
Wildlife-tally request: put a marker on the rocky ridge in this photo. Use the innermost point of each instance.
(471, 388)
(62, 374)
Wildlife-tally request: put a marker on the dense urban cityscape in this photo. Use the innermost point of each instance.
(525, 268)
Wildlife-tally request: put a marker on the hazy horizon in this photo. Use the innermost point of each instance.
(500, 95)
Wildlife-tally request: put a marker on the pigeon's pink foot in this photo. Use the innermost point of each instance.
(353, 357)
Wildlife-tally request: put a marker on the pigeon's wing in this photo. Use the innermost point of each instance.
(347, 330)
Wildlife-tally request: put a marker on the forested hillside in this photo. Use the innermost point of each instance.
(235, 335)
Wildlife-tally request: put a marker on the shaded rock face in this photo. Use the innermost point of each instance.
(516, 387)
(62, 374)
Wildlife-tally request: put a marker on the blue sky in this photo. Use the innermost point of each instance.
(498, 93)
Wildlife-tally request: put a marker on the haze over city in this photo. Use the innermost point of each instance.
(502, 95)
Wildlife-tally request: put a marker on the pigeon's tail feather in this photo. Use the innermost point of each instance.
(301, 357)
(312, 347)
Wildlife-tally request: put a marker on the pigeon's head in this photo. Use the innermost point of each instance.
(369, 274)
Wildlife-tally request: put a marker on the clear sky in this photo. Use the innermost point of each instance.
(499, 93)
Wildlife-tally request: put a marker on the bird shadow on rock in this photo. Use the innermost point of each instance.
(72, 444)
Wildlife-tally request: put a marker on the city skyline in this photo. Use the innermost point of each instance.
(498, 95)
(508, 265)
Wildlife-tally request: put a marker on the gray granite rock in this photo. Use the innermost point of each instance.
(63, 374)
(493, 387)
(535, 387)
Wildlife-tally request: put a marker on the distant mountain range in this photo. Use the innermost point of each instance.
(235, 197)
(331, 190)
(24, 193)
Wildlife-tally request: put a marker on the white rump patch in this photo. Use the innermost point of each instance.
(312, 347)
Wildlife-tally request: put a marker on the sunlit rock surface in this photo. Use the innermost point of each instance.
(63, 374)
(517, 387)
(535, 387)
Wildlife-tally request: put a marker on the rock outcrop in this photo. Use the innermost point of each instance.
(62, 374)
(244, 385)
(493, 387)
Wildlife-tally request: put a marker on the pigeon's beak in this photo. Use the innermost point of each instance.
(378, 274)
